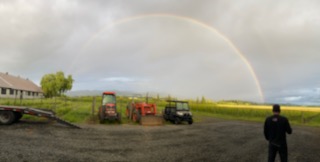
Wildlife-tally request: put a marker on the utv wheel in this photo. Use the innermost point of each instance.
(6, 117)
(177, 121)
(165, 117)
(190, 122)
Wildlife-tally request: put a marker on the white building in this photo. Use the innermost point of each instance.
(16, 87)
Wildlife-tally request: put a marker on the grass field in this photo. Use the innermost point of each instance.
(79, 110)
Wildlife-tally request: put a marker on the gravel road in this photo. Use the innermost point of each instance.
(211, 140)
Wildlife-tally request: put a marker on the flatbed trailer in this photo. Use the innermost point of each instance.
(12, 114)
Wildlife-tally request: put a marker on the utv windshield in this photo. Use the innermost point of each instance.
(109, 99)
(182, 106)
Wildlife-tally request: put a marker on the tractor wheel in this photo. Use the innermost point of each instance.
(6, 117)
(177, 121)
(101, 115)
(101, 118)
(136, 117)
(119, 118)
(127, 113)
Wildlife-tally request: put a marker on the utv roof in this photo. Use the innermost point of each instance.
(177, 101)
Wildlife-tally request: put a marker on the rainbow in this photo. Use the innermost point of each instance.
(187, 19)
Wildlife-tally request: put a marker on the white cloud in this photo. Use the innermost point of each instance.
(292, 98)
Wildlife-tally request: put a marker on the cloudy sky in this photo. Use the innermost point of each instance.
(254, 50)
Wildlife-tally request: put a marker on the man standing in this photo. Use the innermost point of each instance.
(275, 129)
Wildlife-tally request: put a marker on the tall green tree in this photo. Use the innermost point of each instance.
(56, 84)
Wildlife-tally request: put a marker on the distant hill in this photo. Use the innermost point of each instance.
(99, 92)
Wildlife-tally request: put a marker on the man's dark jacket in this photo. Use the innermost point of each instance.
(275, 129)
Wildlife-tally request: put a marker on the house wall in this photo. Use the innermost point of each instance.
(12, 93)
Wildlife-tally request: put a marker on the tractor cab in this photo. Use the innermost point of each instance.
(109, 99)
(177, 112)
(108, 108)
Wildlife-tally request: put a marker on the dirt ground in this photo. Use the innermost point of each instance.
(211, 140)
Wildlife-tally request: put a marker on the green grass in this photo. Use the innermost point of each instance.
(79, 110)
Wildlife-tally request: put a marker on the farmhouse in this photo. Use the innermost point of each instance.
(17, 87)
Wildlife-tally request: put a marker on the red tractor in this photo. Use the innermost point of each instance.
(108, 108)
(143, 113)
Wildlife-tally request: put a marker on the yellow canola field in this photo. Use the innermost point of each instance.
(269, 107)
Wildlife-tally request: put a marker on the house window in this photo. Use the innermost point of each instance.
(11, 91)
(3, 91)
(29, 93)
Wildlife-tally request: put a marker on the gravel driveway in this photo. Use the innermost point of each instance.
(212, 140)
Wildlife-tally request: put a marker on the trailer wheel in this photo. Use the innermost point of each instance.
(18, 116)
(6, 117)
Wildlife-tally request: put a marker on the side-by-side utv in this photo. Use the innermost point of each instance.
(177, 112)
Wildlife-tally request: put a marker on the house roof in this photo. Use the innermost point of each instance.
(9, 81)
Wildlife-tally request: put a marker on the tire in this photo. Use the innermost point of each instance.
(101, 115)
(165, 117)
(7, 117)
(190, 122)
(119, 118)
(18, 116)
(138, 116)
(177, 121)
(127, 113)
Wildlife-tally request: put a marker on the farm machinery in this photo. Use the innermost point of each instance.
(144, 113)
(177, 112)
(108, 108)
(12, 114)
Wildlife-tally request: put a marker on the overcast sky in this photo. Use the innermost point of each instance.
(181, 48)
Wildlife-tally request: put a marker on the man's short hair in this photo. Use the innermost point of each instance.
(276, 108)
